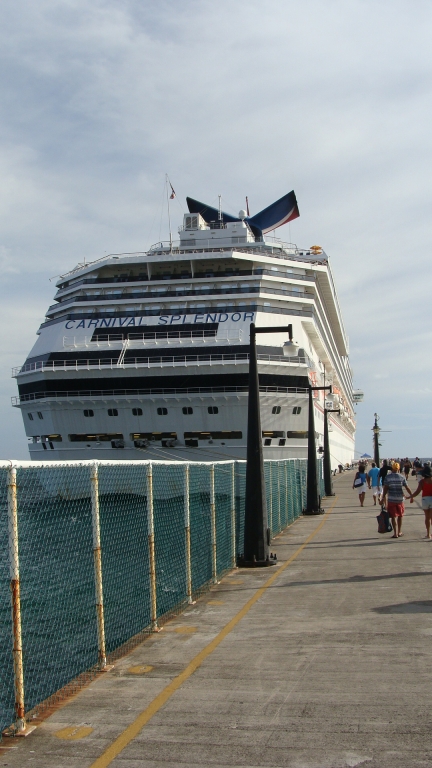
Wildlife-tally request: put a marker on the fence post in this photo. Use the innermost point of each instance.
(16, 600)
(233, 517)
(187, 536)
(151, 544)
(97, 560)
(213, 524)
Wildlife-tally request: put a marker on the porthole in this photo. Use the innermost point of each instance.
(89, 412)
(213, 409)
(276, 409)
(137, 411)
(296, 410)
(162, 411)
(112, 412)
(187, 410)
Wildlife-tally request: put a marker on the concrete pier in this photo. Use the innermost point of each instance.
(321, 662)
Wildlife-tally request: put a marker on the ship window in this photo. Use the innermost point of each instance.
(187, 410)
(88, 412)
(86, 438)
(40, 414)
(213, 409)
(276, 409)
(30, 415)
(112, 412)
(267, 441)
(272, 433)
(282, 441)
(137, 411)
(52, 438)
(163, 411)
(296, 410)
(153, 436)
(214, 435)
(302, 435)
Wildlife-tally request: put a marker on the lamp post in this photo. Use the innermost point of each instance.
(312, 496)
(376, 432)
(328, 485)
(256, 530)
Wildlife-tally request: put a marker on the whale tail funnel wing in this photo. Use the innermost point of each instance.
(275, 215)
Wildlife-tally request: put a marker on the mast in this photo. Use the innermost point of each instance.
(220, 208)
(169, 213)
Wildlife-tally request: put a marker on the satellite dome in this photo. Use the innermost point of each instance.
(242, 215)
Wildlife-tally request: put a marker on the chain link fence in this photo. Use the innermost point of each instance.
(97, 555)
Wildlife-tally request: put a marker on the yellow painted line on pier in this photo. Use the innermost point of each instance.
(132, 731)
(74, 732)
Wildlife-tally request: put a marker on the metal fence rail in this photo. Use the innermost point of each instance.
(97, 554)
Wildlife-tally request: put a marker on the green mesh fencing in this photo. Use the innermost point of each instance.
(124, 542)
(132, 507)
(200, 525)
(170, 542)
(7, 696)
(240, 493)
(224, 478)
(56, 571)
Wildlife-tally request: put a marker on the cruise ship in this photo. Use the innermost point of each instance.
(145, 355)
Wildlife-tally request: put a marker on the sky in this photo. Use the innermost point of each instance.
(331, 98)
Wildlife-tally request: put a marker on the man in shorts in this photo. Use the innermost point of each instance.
(374, 482)
(393, 486)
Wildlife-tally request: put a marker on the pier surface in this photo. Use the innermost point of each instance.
(321, 662)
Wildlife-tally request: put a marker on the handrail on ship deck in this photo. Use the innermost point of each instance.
(269, 250)
(138, 362)
(89, 394)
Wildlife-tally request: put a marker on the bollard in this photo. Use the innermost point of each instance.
(151, 545)
(233, 516)
(187, 536)
(97, 560)
(213, 523)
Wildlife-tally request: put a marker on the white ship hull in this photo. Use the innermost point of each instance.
(150, 379)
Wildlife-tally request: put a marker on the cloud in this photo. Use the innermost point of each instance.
(100, 100)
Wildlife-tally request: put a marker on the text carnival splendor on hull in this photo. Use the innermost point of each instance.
(145, 355)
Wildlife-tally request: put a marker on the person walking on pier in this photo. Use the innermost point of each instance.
(374, 482)
(425, 488)
(406, 468)
(383, 471)
(360, 483)
(393, 486)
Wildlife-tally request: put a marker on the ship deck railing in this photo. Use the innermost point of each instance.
(172, 361)
(162, 249)
(180, 294)
(207, 275)
(92, 394)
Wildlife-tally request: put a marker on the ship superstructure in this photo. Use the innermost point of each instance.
(146, 354)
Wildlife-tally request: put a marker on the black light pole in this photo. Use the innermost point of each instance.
(313, 506)
(376, 431)
(256, 530)
(328, 485)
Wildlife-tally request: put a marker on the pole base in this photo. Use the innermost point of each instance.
(318, 511)
(14, 732)
(242, 563)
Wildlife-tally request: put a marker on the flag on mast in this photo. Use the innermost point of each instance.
(247, 207)
(173, 194)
